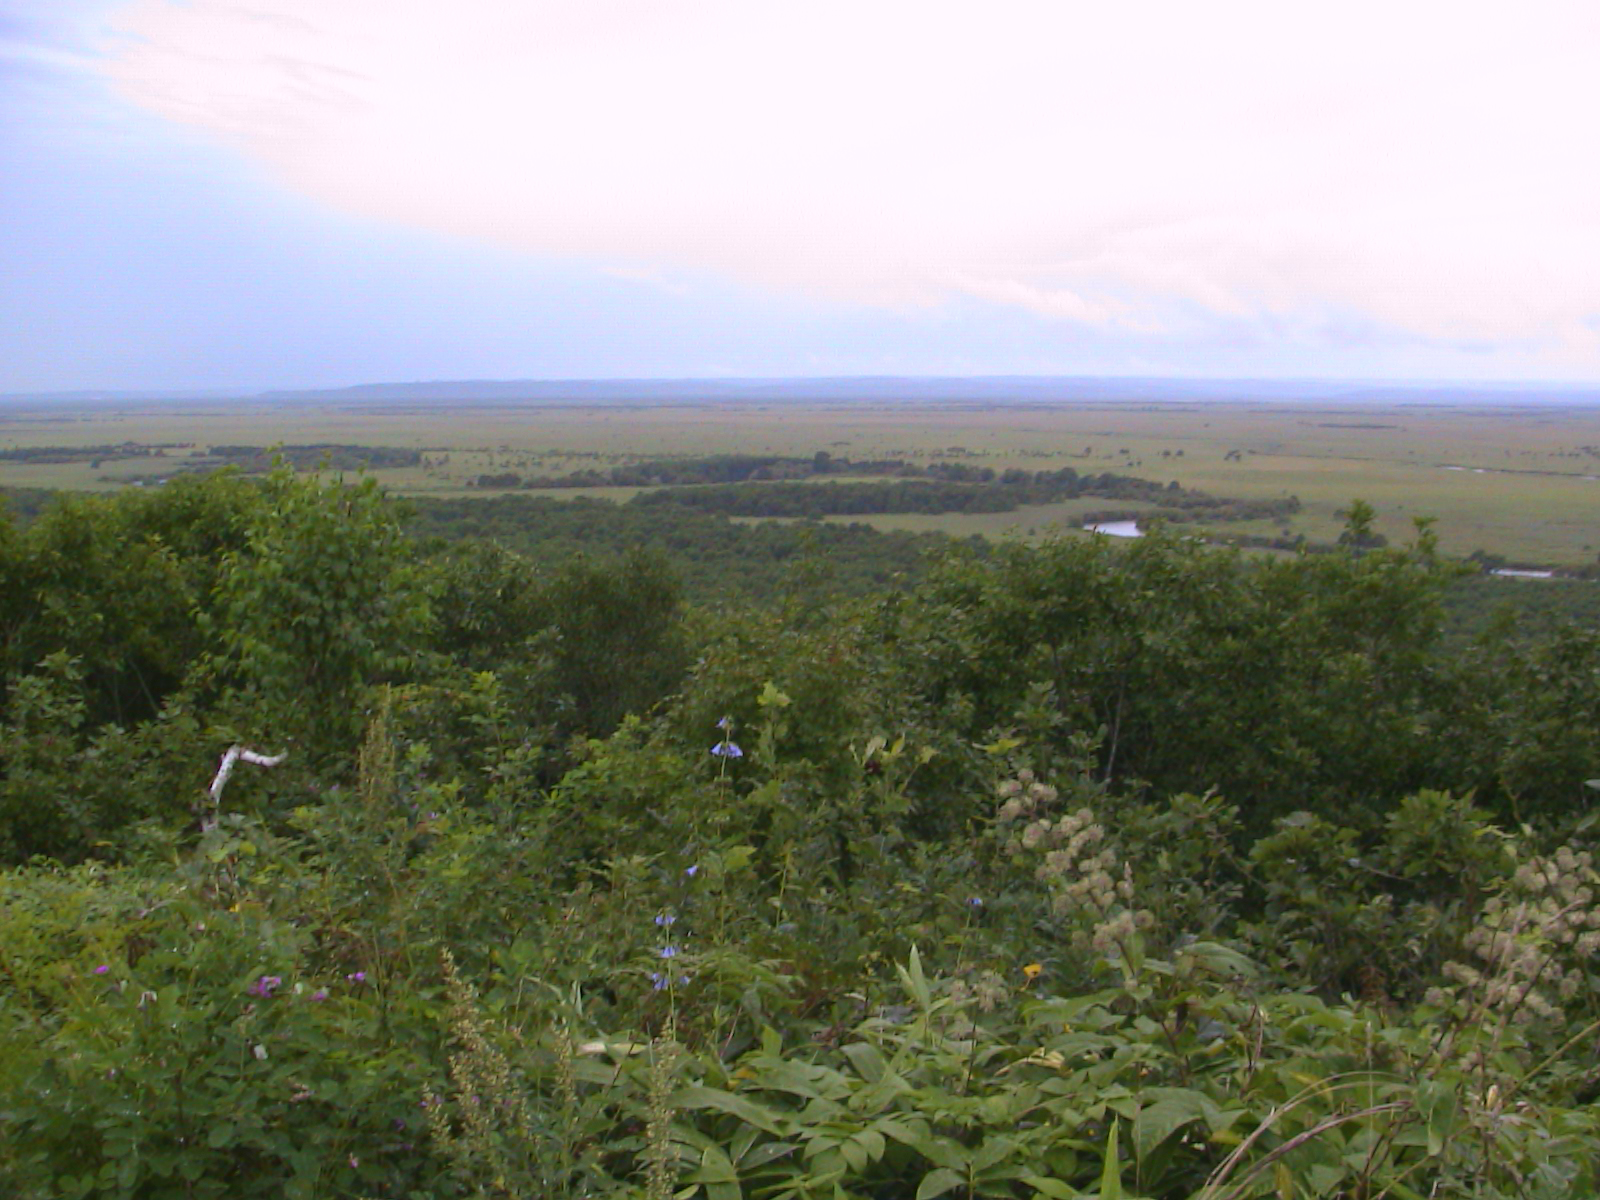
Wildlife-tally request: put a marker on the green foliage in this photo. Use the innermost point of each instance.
(717, 559)
(319, 602)
(116, 584)
(1083, 870)
(955, 488)
(157, 1044)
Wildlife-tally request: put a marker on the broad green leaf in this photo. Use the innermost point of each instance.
(872, 1142)
(767, 1152)
(867, 1060)
(699, 1096)
(1054, 1189)
(718, 1174)
(1155, 1123)
(939, 1181)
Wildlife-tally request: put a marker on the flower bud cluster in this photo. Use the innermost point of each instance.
(1074, 862)
(1532, 939)
(987, 989)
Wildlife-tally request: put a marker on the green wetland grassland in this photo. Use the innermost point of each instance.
(719, 844)
(1518, 481)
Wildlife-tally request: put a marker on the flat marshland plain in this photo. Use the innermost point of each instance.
(1518, 480)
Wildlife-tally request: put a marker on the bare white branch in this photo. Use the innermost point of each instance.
(237, 754)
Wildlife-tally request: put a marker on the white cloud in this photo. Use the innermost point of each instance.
(1428, 166)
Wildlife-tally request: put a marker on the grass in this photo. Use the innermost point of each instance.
(1528, 492)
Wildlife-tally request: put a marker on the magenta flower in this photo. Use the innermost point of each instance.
(102, 969)
(265, 986)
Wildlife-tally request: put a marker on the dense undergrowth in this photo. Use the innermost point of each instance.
(1080, 870)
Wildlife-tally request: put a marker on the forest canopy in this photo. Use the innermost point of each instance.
(624, 850)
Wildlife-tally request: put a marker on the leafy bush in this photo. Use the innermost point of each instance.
(1079, 871)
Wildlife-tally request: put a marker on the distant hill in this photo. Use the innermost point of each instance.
(977, 389)
(989, 389)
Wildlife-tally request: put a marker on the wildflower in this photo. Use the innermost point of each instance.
(658, 981)
(265, 986)
(320, 994)
(974, 902)
(725, 724)
(664, 919)
(102, 969)
(667, 952)
(356, 977)
(691, 872)
(727, 750)
(1032, 971)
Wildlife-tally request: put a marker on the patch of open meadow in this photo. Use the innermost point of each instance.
(1521, 481)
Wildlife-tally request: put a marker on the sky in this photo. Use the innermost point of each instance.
(214, 194)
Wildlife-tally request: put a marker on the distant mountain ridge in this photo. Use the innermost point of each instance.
(993, 389)
(990, 388)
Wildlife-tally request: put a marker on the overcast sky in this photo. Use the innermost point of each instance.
(224, 193)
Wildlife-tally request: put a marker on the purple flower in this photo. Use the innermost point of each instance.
(667, 952)
(320, 994)
(664, 919)
(691, 872)
(265, 986)
(727, 750)
(974, 902)
(102, 969)
(658, 981)
(725, 724)
(356, 977)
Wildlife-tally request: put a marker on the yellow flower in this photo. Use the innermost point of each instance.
(1032, 971)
